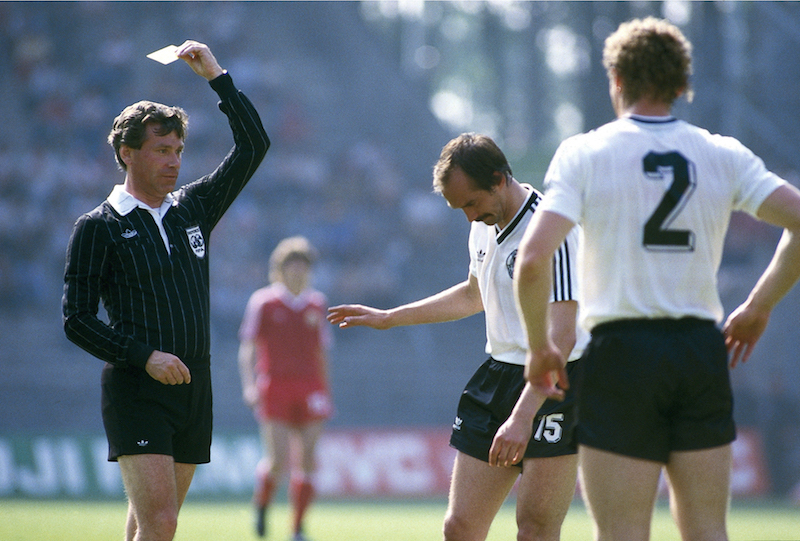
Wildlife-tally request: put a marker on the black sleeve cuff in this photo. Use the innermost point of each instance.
(223, 86)
(138, 353)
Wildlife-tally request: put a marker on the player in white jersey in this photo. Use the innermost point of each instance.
(504, 431)
(493, 253)
(654, 196)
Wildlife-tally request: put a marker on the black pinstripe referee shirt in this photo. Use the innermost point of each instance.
(155, 299)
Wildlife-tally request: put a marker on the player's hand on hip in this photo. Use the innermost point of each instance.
(742, 330)
(352, 315)
(167, 368)
(200, 59)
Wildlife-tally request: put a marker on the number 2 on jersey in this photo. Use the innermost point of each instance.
(657, 235)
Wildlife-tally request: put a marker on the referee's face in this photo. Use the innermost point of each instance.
(461, 192)
(153, 169)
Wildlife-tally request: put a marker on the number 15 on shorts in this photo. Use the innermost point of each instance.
(549, 428)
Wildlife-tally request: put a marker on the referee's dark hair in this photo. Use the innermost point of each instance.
(478, 156)
(130, 126)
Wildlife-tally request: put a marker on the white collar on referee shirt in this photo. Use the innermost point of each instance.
(124, 203)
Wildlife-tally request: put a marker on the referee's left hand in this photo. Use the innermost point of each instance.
(167, 368)
(200, 59)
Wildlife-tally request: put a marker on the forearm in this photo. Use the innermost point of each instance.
(95, 337)
(247, 361)
(323, 367)
(219, 189)
(527, 405)
(457, 302)
(532, 279)
(245, 122)
(563, 316)
(780, 275)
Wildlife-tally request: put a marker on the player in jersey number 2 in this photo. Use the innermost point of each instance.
(654, 195)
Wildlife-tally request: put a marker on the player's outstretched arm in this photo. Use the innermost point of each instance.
(200, 59)
(354, 315)
(457, 302)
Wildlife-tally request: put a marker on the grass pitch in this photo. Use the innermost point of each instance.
(389, 520)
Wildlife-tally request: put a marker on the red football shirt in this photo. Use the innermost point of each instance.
(290, 332)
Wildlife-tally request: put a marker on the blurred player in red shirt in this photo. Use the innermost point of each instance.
(283, 365)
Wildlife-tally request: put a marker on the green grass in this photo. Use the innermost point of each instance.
(389, 520)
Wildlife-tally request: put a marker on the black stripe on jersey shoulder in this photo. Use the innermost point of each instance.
(530, 205)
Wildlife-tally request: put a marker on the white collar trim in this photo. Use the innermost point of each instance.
(124, 203)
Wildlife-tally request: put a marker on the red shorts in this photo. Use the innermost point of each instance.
(295, 402)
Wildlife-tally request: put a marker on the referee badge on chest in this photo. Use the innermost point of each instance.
(196, 241)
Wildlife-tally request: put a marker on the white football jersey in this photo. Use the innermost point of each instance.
(654, 197)
(493, 253)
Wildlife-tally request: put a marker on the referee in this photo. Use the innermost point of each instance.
(144, 253)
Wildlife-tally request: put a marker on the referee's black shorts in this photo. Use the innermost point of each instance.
(650, 387)
(144, 416)
(487, 402)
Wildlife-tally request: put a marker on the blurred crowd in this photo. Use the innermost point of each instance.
(343, 189)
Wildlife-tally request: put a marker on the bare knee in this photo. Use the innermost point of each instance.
(713, 530)
(458, 528)
(159, 525)
(539, 527)
(539, 532)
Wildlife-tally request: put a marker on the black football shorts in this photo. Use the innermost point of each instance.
(650, 387)
(144, 416)
(487, 402)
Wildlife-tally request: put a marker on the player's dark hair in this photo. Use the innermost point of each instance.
(478, 156)
(653, 59)
(130, 126)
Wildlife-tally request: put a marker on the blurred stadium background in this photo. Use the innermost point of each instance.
(358, 98)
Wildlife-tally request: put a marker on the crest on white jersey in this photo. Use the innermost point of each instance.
(196, 241)
(510, 260)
